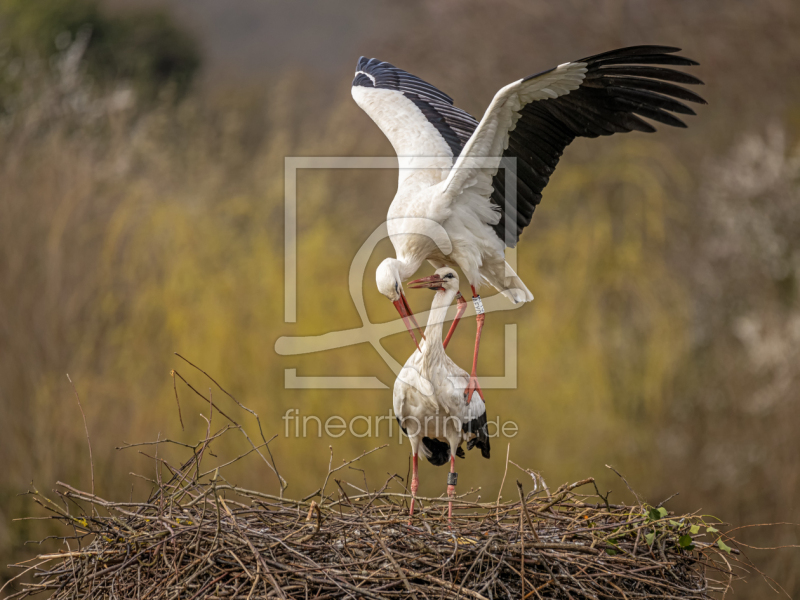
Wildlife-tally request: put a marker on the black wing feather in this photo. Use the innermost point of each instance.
(619, 88)
(642, 71)
(453, 124)
(631, 51)
(661, 87)
(651, 98)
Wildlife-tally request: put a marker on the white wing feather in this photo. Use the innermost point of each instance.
(480, 159)
(415, 141)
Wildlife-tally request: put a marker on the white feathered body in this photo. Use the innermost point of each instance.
(473, 246)
(428, 397)
(430, 392)
(463, 213)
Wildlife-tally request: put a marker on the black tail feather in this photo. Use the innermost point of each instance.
(480, 428)
(440, 451)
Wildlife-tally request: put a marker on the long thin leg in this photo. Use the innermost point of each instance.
(473, 380)
(460, 308)
(451, 486)
(414, 483)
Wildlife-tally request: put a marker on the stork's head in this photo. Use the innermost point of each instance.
(388, 279)
(443, 280)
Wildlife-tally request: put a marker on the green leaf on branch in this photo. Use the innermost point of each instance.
(649, 537)
(694, 529)
(685, 541)
(723, 546)
(712, 530)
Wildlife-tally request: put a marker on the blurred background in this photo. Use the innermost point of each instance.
(142, 149)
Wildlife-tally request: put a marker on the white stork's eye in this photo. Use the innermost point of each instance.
(448, 276)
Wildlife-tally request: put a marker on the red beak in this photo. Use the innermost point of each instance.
(408, 318)
(434, 282)
(413, 318)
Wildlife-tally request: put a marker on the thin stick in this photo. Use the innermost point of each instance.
(522, 545)
(242, 406)
(349, 462)
(281, 481)
(178, 402)
(628, 485)
(525, 510)
(86, 428)
(500, 491)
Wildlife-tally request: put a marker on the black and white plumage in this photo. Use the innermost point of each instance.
(428, 397)
(449, 162)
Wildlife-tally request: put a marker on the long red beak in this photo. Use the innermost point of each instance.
(434, 282)
(413, 318)
(408, 318)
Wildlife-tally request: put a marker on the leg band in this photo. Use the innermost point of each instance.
(452, 478)
(476, 300)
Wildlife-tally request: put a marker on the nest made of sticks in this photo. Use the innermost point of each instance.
(199, 536)
(210, 539)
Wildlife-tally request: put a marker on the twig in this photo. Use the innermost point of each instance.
(505, 472)
(86, 428)
(350, 462)
(525, 510)
(630, 489)
(281, 480)
(178, 402)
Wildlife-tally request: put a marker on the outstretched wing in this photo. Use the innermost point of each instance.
(420, 121)
(534, 119)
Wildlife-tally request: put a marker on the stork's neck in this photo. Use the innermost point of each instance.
(407, 266)
(433, 332)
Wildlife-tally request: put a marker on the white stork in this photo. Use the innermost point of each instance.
(449, 162)
(428, 394)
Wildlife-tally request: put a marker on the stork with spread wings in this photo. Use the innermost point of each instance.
(450, 164)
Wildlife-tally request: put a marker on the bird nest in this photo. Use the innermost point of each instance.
(211, 539)
(199, 536)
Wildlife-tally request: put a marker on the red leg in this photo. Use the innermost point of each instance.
(414, 484)
(460, 308)
(451, 488)
(472, 386)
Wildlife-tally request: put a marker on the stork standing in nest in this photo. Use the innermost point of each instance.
(452, 207)
(429, 400)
